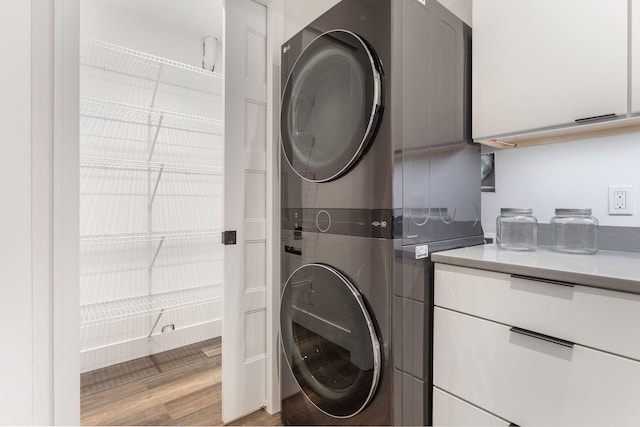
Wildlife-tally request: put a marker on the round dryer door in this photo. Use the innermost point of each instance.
(329, 340)
(331, 106)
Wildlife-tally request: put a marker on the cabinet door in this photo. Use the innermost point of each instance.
(448, 410)
(635, 56)
(532, 381)
(545, 63)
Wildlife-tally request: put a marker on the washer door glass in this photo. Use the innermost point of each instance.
(329, 340)
(331, 106)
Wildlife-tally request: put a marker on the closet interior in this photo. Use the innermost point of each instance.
(151, 177)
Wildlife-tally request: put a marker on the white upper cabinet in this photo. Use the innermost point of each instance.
(635, 56)
(540, 64)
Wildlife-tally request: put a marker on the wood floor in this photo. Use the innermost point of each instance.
(178, 387)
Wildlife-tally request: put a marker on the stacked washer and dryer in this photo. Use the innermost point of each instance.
(378, 172)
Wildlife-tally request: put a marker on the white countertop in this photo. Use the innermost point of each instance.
(618, 271)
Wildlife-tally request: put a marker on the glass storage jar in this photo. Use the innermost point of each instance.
(517, 229)
(574, 231)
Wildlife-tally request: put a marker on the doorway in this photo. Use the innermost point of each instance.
(152, 204)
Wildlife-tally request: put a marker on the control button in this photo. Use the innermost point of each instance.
(323, 221)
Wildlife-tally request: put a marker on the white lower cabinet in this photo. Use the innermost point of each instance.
(448, 410)
(598, 318)
(529, 379)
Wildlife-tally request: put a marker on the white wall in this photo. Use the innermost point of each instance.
(299, 13)
(26, 216)
(461, 8)
(16, 357)
(565, 175)
(102, 20)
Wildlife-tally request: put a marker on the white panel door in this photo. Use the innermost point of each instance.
(244, 322)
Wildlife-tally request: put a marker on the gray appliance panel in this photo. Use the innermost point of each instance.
(413, 329)
(439, 166)
(421, 160)
(419, 170)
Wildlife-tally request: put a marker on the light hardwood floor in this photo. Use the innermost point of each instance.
(178, 387)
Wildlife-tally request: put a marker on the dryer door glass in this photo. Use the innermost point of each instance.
(329, 340)
(331, 106)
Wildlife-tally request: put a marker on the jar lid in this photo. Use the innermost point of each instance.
(564, 211)
(520, 211)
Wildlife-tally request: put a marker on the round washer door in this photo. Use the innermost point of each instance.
(331, 106)
(329, 340)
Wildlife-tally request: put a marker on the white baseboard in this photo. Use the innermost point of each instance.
(101, 357)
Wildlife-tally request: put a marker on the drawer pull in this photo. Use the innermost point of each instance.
(538, 279)
(542, 337)
(513, 425)
(596, 118)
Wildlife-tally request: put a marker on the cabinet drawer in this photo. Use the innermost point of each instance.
(530, 381)
(448, 410)
(599, 318)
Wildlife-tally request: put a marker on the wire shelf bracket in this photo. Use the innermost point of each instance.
(155, 187)
(155, 256)
(157, 84)
(155, 137)
(153, 328)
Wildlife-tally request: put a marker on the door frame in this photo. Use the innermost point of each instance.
(275, 38)
(65, 375)
(66, 210)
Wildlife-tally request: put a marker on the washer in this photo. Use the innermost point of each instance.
(378, 172)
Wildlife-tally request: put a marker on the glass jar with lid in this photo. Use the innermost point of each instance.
(574, 231)
(517, 229)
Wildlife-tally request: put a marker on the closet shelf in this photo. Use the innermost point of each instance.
(156, 236)
(132, 63)
(95, 108)
(138, 165)
(128, 308)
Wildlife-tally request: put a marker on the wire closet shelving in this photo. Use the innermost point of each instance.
(136, 133)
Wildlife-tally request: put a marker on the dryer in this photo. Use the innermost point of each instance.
(378, 172)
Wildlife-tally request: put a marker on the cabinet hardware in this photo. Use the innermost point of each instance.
(596, 118)
(538, 279)
(502, 144)
(543, 337)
